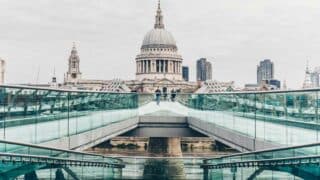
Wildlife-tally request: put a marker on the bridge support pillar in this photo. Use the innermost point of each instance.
(31, 176)
(165, 147)
(164, 168)
(59, 175)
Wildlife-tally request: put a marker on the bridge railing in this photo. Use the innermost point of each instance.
(36, 115)
(37, 150)
(20, 159)
(301, 161)
(282, 117)
(312, 149)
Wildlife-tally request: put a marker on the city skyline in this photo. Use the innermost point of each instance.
(101, 40)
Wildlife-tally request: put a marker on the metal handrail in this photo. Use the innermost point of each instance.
(268, 150)
(56, 158)
(214, 93)
(60, 90)
(54, 149)
(254, 162)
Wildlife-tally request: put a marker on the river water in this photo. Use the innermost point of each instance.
(141, 165)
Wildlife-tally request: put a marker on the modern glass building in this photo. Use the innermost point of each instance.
(204, 70)
(265, 71)
(185, 73)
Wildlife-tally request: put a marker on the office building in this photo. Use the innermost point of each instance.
(204, 70)
(185, 73)
(265, 71)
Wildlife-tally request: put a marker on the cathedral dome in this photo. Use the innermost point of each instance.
(159, 58)
(158, 38)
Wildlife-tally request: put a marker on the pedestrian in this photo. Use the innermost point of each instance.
(158, 96)
(173, 95)
(165, 95)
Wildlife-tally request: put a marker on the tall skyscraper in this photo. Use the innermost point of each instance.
(265, 71)
(204, 70)
(208, 70)
(2, 70)
(307, 83)
(314, 78)
(185, 73)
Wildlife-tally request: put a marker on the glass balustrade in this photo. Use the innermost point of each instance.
(37, 115)
(282, 117)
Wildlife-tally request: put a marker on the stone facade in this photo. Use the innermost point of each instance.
(165, 85)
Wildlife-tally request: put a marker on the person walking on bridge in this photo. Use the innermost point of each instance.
(173, 95)
(158, 96)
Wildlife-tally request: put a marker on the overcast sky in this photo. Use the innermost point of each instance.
(234, 34)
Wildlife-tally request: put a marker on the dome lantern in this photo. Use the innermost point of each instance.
(158, 37)
(159, 18)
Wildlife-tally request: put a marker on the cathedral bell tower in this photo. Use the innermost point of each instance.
(73, 74)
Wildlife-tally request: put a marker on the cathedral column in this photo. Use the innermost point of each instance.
(157, 66)
(153, 62)
(167, 66)
(147, 66)
(142, 66)
(178, 65)
(162, 64)
(136, 67)
(172, 66)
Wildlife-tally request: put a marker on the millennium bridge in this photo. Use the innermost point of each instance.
(44, 132)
